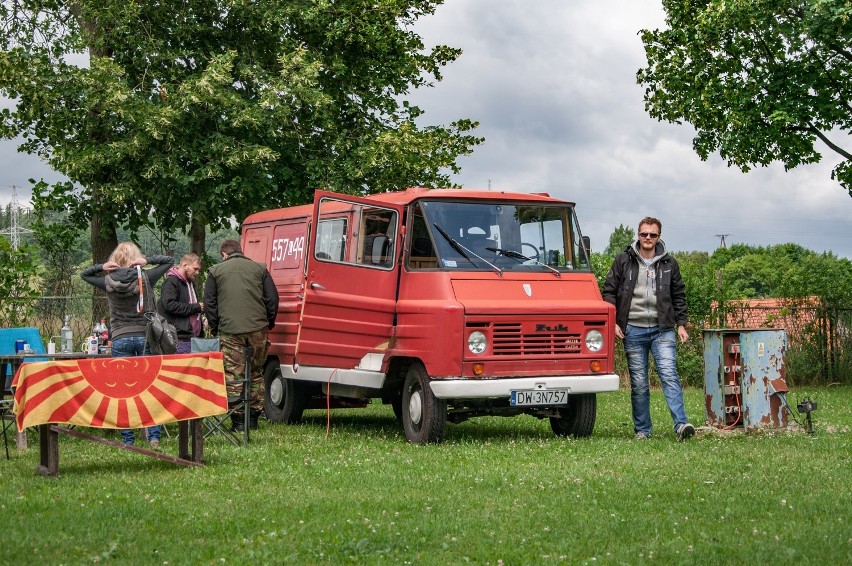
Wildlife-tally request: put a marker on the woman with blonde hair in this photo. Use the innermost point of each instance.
(130, 294)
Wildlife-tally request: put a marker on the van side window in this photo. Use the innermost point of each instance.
(331, 239)
(376, 237)
(357, 234)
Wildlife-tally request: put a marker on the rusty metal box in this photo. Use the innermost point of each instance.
(744, 378)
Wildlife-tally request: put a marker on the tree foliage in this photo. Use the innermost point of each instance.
(622, 237)
(19, 285)
(759, 80)
(193, 113)
(784, 270)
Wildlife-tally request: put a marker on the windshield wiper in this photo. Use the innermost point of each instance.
(521, 257)
(461, 249)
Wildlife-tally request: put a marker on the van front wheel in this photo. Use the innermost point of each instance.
(424, 416)
(578, 418)
(285, 398)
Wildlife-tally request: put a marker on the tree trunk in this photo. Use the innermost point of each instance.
(103, 238)
(197, 245)
(197, 236)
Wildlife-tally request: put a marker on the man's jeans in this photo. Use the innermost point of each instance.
(638, 341)
(128, 347)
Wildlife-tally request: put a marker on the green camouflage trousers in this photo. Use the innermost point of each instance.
(233, 355)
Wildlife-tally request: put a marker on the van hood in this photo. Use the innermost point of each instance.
(505, 296)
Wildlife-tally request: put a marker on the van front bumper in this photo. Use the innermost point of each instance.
(492, 388)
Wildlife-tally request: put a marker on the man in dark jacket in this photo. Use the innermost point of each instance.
(241, 301)
(647, 290)
(179, 304)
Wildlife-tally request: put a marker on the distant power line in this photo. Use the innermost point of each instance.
(722, 240)
(14, 229)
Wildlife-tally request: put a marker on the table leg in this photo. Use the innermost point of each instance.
(197, 441)
(183, 440)
(49, 451)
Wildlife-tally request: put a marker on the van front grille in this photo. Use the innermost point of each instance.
(511, 340)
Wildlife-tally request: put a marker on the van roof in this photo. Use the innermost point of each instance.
(405, 197)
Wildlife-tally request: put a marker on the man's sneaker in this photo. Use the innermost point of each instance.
(641, 436)
(685, 431)
(155, 444)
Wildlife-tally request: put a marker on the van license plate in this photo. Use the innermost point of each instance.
(533, 397)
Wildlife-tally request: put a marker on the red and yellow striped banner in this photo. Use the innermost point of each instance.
(120, 392)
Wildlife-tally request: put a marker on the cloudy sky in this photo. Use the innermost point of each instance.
(552, 83)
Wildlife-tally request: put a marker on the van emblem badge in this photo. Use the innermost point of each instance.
(528, 289)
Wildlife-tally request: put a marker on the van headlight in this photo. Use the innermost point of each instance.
(594, 340)
(477, 342)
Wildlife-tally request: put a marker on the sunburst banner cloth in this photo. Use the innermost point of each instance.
(120, 392)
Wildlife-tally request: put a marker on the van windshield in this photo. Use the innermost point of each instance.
(495, 236)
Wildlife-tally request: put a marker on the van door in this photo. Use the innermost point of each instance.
(350, 283)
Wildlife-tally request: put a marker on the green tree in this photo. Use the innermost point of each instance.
(755, 275)
(823, 275)
(619, 240)
(189, 114)
(601, 264)
(783, 270)
(700, 284)
(760, 81)
(18, 284)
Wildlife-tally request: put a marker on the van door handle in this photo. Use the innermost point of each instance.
(317, 286)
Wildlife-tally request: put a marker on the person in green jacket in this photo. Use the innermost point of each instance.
(240, 302)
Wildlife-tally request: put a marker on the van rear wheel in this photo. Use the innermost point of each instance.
(285, 398)
(424, 416)
(578, 418)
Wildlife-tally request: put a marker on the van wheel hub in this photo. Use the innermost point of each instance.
(415, 407)
(276, 391)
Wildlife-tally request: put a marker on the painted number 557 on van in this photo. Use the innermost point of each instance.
(446, 304)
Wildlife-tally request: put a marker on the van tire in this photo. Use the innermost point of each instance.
(578, 418)
(424, 416)
(396, 405)
(285, 399)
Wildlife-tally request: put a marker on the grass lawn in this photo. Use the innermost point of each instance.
(496, 491)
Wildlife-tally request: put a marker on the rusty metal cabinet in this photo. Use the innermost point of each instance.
(744, 378)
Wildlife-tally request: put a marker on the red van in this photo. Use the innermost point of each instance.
(447, 304)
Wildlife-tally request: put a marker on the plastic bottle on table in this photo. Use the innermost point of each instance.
(102, 332)
(66, 336)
